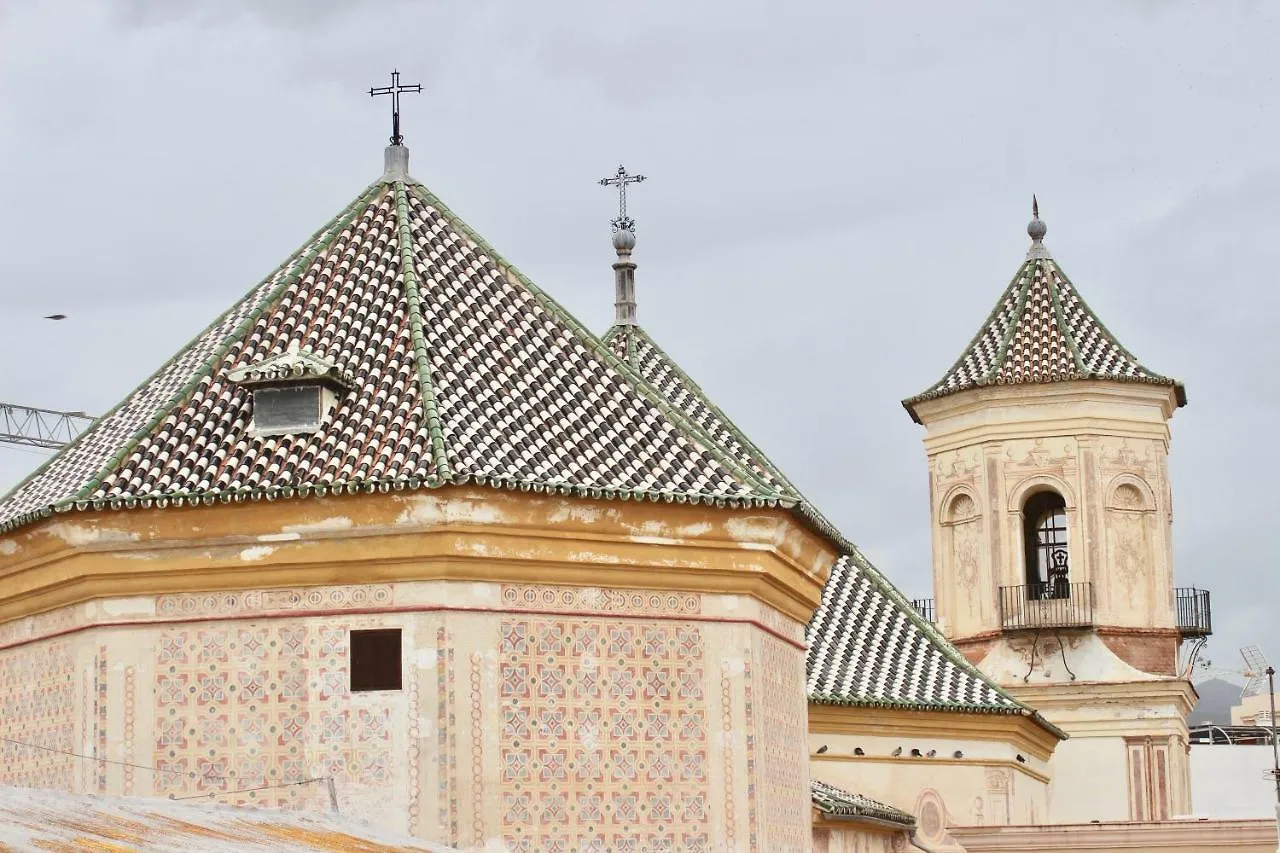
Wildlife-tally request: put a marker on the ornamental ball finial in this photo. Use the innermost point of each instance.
(624, 240)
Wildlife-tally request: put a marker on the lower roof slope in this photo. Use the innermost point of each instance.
(466, 373)
(831, 801)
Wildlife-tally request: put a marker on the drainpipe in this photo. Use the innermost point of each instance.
(1275, 749)
(915, 842)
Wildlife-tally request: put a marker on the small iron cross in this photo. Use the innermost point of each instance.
(394, 91)
(620, 180)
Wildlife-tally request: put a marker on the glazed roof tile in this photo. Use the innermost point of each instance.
(837, 802)
(632, 344)
(867, 644)
(1041, 331)
(466, 373)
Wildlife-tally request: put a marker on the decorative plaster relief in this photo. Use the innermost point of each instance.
(604, 740)
(269, 600)
(631, 602)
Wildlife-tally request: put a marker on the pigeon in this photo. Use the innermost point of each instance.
(1021, 760)
(55, 316)
(915, 753)
(931, 753)
(898, 751)
(957, 754)
(857, 750)
(822, 749)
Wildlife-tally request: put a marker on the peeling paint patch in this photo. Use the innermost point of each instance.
(256, 553)
(279, 537)
(734, 666)
(79, 534)
(8, 546)
(729, 602)
(572, 511)
(429, 509)
(425, 658)
(326, 525)
(753, 529)
(137, 606)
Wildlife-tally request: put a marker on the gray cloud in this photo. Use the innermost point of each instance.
(837, 196)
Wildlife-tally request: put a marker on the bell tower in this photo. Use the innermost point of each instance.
(1047, 446)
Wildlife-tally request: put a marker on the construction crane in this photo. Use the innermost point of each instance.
(44, 428)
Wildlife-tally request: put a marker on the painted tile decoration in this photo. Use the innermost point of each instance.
(37, 695)
(248, 704)
(604, 740)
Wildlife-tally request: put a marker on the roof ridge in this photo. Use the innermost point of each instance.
(409, 277)
(721, 456)
(334, 226)
(734, 429)
(1015, 320)
(1060, 319)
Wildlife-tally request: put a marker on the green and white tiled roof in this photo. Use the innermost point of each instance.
(837, 802)
(867, 644)
(465, 372)
(1041, 331)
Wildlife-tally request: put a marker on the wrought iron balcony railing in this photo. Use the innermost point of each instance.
(1035, 606)
(1195, 617)
(924, 606)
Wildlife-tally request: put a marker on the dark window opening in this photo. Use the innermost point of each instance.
(375, 660)
(1044, 532)
(279, 411)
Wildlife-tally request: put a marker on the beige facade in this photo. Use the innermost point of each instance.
(973, 769)
(594, 673)
(1099, 660)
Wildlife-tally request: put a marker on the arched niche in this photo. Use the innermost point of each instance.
(958, 506)
(1130, 493)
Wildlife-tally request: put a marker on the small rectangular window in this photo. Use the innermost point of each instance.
(375, 660)
(277, 411)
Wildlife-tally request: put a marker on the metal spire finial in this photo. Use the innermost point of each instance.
(620, 180)
(394, 91)
(1036, 229)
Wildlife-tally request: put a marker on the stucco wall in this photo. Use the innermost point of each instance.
(529, 714)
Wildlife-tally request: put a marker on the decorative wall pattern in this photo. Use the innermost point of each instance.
(632, 602)
(604, 743)
(783, 728)
(245, 705)
(275, 600)
(37, 695)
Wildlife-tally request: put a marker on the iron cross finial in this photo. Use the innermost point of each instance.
(620, 180)
(394, 91)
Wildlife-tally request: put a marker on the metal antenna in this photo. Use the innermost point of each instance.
(620, 180)
(394, 91)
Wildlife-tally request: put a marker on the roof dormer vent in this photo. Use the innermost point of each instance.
(292, 392)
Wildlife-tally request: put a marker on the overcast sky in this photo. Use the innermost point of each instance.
(837, 194)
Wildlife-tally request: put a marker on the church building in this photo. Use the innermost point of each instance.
(397, 535)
